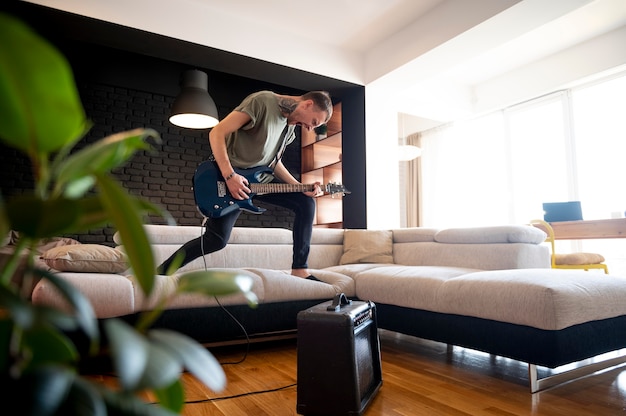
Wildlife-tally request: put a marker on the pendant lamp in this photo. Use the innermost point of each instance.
(194, 108)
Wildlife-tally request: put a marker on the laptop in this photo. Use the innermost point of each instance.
(562, 211)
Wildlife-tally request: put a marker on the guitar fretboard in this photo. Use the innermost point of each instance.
(274, 188)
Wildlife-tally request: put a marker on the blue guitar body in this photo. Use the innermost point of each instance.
(214, 200)
(211, 193)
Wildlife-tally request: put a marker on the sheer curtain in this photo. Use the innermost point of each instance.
(464, 179)
(412, 184)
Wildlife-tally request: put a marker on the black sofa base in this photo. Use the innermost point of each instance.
(523, 343)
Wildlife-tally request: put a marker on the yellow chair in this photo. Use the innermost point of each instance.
(583, 261)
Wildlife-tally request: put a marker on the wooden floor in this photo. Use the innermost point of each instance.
(419, 378)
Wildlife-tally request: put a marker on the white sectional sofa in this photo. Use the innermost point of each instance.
(486, 288)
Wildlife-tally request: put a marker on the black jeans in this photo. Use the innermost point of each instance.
(218, 230)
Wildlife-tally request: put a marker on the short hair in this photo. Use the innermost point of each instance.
(322, 100)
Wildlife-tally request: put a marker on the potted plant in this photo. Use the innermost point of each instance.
(74, 191)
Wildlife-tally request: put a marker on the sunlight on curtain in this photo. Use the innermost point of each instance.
(464, 180)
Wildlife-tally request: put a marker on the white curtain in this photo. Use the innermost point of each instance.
(464, 180)
(412, 185)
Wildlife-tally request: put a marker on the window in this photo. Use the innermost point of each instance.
(499, 169)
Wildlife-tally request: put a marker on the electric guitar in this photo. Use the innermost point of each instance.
(214, 200)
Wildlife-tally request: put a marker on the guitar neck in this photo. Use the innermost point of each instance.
(277, 188)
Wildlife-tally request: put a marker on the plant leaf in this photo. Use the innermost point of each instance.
(122, 210)
(37, 218)
(129, 351)
(85, 315)
(21, 312)
(49, 346)
(43, 390)
(129, 405)
(83, 400)
(172, 397)
(40, 106)
(162, 368)
(92, 214)
(100, 157)
(197, 359)
(214, 282)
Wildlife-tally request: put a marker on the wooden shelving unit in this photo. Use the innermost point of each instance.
(321, 162)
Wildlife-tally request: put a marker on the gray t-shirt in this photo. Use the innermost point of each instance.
(258, 142)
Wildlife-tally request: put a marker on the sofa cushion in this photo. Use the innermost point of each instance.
(406, 286)
(492, 234)
(546, 299)
(414, 235)
(91, 258)
(367, 246)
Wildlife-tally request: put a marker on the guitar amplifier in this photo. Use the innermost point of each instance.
(339, 368)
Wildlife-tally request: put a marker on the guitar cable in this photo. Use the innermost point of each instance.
(243, 329)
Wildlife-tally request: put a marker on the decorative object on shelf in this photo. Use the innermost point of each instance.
(321, 132)
(194, 108)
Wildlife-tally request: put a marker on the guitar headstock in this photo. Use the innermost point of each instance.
(335, 188)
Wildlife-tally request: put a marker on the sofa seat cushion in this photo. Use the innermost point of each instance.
(281, 286)
(166, 285)
(110, 294)
(546, 299)
(352, 270)
(407, 286)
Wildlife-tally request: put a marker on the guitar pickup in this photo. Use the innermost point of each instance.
(221, 189)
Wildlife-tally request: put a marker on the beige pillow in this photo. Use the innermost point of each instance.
(367, 246)
(93, 258)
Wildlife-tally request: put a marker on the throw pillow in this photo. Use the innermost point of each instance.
(93, 258)
(367, 246)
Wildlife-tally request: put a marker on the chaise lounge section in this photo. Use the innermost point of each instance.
(485, 288)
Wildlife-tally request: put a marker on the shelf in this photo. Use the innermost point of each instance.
(329, 209)
(321, 153)
(321, 162)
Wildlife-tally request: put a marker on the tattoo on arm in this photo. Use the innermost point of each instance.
(287, 105)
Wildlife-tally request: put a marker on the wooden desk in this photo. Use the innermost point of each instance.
(589, 229)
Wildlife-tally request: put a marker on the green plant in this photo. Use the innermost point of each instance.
(41, 115)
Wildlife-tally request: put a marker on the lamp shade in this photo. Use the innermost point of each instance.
(194, 108)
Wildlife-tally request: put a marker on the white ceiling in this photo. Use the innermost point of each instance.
(420, 49)
(416, 51)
